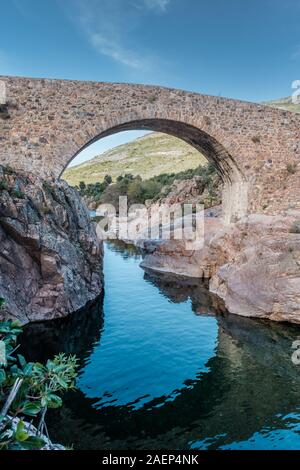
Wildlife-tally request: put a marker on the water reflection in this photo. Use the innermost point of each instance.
(126, 250)
(75, 334)
(239, 390)
(179, 289)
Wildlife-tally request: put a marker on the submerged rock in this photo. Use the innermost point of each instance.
(50, 259)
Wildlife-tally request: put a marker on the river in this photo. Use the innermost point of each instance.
(162, 366)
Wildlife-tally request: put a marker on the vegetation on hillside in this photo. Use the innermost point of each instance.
(147, 156)
(138, 190)
(284, 103)
(27, 391)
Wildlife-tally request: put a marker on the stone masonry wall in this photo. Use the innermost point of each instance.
(45, 123)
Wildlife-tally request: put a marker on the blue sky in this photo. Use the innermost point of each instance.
(235, 48)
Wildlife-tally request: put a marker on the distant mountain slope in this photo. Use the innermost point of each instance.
(284, 103)
(147, 156)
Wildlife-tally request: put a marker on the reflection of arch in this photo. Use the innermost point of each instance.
(235, 183)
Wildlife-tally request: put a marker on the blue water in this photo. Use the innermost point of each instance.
(163, 366)
(147, 330)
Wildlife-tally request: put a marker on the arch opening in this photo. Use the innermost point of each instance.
(235, 185)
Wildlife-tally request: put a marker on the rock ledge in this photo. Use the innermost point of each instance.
(50, 259)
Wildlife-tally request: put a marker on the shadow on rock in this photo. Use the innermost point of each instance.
(75, 334)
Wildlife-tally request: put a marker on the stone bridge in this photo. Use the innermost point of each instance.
(45, 123)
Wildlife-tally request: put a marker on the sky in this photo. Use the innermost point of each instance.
(240, 49)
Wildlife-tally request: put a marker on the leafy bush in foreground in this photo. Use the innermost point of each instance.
(28, 390)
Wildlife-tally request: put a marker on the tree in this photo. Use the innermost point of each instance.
(150, 189)
(108, 179)
(135, 192)
(82, 187)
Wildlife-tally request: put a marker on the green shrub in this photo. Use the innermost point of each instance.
(108, 179)
(152, 99)
(97, 218)
(8, 170)
(3, 185)
(291, 168)
(47, 186)
(17, 194)
(295, 227)
(138, 190)
(28, 390)
(82, 186)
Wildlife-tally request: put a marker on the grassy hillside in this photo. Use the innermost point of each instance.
(284, 103)
(147, 156)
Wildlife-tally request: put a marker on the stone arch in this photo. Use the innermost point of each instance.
(45, 122)
(235, 186)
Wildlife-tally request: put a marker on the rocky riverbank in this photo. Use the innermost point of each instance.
(252, 265)
(51, 259)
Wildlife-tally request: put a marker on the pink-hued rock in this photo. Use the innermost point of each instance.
(173, 255)
(194, 191)
(253, 265)
(50, 259)
(257, 270)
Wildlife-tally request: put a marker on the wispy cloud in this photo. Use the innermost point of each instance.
(110, 25)
(157, 5)
(110, 48)
(296, 53)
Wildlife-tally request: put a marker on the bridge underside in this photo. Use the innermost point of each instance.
(235, 186)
